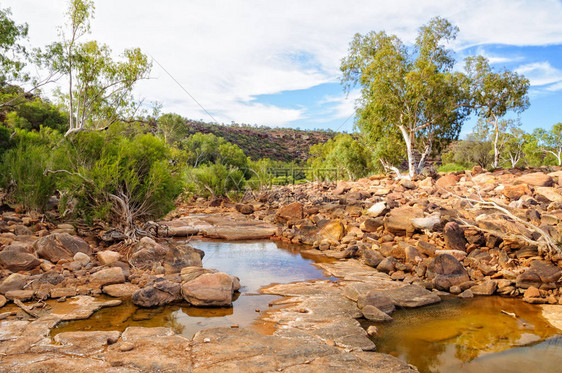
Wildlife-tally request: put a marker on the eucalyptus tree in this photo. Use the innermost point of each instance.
(494, 94)
(12, 52)
(550, 141)
(99, 88)
(407, 92)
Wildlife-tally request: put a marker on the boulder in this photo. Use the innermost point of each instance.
(177, 228)
(81, 258)
(445, 271)
(374, 314)
(245, 209)
(539, 273)
(108, 257)
(514, 192)
(446, 181)
(537, 179)
(377, 209)
(487, 287)
(376, 299)
(210, 289)
(22, 230)
(15, 281)
(371, 257)
(454, 236)
(161, 292)
(387, 265)
(23, 295)
(428, 222)
(16, 258)
(399, 220)
(426, 248)
(371, 225)
(57, 246)
(126, 290)
(108, 276)
(549, 194)
(334, 230)
(412, 296)
(148, 253)
(292, 211)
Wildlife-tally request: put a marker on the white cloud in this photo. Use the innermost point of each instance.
(228, 52)
(540, 73)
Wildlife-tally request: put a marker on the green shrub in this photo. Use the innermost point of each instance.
(22, 172)
(128, 179)
(452, 167)
(215, 180)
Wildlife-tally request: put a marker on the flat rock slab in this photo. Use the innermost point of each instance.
(229, 227)
(321, 312)
(81, 307)
(553, 314)
(239, 350)
(412, 296)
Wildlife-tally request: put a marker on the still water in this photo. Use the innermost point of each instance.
(473, 335)
(256, 263)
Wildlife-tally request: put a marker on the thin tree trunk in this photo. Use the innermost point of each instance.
(496, 140)
(409, 149)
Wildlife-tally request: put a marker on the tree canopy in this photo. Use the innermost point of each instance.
(411, 93)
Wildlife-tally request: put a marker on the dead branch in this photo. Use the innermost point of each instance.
(545, 243)
(26, 309)
(388, 168)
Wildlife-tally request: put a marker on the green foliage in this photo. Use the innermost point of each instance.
(493, 95)
(467, 153)
(215, 180)
(408, 93)
(107, 171)
(12, 53)
(208, 149)
(100, 88)
(344, 153)
(23, 166)
(172, 127)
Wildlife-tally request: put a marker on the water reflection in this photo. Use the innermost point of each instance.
(256, 263)
(457, 335)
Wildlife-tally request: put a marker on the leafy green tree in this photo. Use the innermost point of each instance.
(469, 152)
(208, 148)
(412, 93)
(99, 88)
(12, 53)
(345, 154)
(494, 94)
(514, 147)
(173, 127)
(551, 141)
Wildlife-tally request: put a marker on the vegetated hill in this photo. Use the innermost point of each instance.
(280, 144)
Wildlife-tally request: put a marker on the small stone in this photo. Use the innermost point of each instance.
(374, 314)
(455, 289)
(207, 340)
(2, 300)
(126, 346)
(81, 258)
(372, 330)
(466, 294)
(108, 257)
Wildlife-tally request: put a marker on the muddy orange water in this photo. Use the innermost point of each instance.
(257, 264)
(473, 335)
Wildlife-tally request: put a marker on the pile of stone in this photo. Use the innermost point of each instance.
(432, 231)
(39, 261)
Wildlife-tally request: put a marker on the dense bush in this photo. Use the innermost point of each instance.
(23, 166)
(343, 153)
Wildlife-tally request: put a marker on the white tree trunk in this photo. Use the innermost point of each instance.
(496, 144)
(408, 140)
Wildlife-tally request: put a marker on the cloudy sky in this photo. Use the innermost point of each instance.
(276, 62)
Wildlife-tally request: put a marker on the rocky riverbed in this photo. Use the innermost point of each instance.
(399, 243)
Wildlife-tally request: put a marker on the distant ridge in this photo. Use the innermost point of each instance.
(280, 144)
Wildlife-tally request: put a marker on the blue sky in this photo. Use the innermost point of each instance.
(276, 62)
